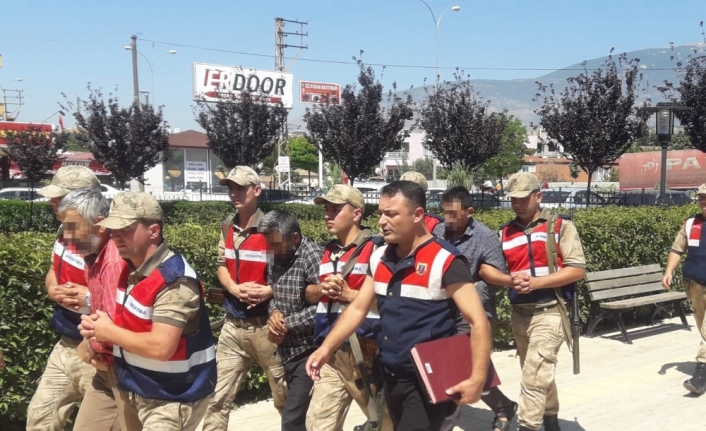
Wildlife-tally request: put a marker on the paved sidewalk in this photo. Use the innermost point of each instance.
(621, 387)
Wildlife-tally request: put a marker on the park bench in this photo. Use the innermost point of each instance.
(616, 291)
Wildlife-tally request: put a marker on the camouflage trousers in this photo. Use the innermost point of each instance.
(242, 343)
(538, 336)
(340, 384)
(63, 383)
(697, 295)
(139, 413)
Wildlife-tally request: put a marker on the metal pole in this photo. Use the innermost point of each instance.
(135, 83)
(663, 176)
(4, 105)
(321, 170)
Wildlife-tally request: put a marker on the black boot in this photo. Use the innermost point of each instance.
(697, 384)
(551, 423)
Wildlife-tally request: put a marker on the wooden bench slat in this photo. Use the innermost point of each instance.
(645, 300)
(626, 291)
(624, 281)
(623, 272)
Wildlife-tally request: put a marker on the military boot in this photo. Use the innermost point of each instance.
(697, 384)
(551, 423)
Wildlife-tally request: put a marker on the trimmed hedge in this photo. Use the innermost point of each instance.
(612, 238)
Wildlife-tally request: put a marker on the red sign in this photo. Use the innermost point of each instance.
(686, 169)
(11, 126)
(68, 159)
(319, 92)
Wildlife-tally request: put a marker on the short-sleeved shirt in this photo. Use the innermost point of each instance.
(239, 234)
(479, 245)
(569, 241)
(289, 282)
(178, 303)
(681, 242)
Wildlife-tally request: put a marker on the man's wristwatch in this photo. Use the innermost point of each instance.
(87, 299)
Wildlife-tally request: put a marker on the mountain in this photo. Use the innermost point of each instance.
(516, 95)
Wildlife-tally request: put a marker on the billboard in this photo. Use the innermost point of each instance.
(319, 92)
(686, 169)
(214, 83)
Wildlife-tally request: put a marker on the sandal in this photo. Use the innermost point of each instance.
(509, 413)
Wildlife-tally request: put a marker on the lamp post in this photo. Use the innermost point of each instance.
(437, 22)
(132, 47)
(665, 129)
(4, 99)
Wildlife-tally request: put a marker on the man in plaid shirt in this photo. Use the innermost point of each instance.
(293, 265)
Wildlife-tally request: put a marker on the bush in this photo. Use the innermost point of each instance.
(611, 237)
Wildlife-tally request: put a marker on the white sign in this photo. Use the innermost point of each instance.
(196, 172)
(214, 83)
(283, 163)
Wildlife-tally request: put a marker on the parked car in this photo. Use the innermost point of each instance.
(109, 192)
(649, 197)
(21, 193)
(571, 199)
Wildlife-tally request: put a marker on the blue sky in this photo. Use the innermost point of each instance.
(60, 47)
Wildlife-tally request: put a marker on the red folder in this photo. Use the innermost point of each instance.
(446, 362)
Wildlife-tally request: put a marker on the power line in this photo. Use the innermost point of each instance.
(401, 66)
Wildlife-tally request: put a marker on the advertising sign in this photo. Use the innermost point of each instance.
(214, 83)
(196, 172)
(283, 164)
(686, 169)
(319, 92)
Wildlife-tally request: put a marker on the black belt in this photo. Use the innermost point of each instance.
(248, 322)
(70, 342)
(530, 311)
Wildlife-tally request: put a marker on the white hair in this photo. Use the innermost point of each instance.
(89, 203)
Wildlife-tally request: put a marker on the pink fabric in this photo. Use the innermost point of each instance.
(103, 277)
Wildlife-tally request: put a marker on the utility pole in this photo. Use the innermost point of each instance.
(280, 46)
(135, 82)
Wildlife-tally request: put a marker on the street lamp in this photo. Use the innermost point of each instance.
(665, 129)
(151, 65)
(437, 22)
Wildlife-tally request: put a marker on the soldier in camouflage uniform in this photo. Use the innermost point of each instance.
(163, 346)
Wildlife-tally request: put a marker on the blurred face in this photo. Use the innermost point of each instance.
(81, 235)
(526, 208)
(398, 218)
(455, 217)
(134, 240)
(340, 217)
(243, 196)
(55, 202)
(281, 246)
(701, 200)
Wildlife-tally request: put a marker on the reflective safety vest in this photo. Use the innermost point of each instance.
(695, 264)
(190, 374)
(247, 263)
(528, 253)
(432, 220)
(413, 303)
(328, 310)
(68, 267)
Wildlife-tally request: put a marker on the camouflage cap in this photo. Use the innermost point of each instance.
(522, 184)
(242, 175)
(701, 190)
(129, 207)
(415, 177)
(342, 194)
(69, 178)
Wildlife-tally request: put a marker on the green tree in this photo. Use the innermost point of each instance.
(356, 134)
(459, 126)
(241, 131)
(596, 117)
(303, 155)
(35, 153)
(126, 141)
(460, 175)
(424, 166)
(574, 170)
(512, 151)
